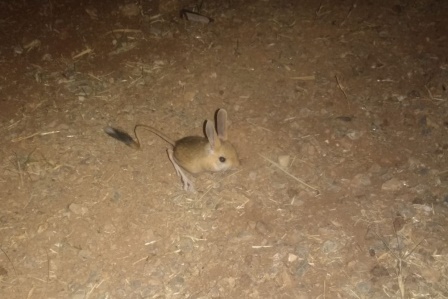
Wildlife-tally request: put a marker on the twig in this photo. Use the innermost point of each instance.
(442, 172)
(236, 51)
(85, 52)
(14, 268)
(290, 175)
(304, 78)
(399, 258)
(35, 134)
(48, 267)
(340, 86)
(95, 286)
(349, 13)
(30, 293)
(431, 96)
(134, 81)
(124, 31)
(317, 12)
(263, 128)
(19, 169)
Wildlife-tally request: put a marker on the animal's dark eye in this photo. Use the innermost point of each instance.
(222, 159)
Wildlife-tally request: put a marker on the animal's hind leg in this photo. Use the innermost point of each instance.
(188, 184)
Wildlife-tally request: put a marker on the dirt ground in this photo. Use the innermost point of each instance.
(338, 110)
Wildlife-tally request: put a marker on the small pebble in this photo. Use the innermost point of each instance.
(292, 257)
(392, 185)
(77, 209)
(284, 161)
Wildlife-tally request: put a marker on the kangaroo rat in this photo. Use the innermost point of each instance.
(194, 154)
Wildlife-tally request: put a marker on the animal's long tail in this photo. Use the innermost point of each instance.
(129, 141)
(122, 136)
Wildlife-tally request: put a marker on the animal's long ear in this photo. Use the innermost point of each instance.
(212, 137)
(221, 124)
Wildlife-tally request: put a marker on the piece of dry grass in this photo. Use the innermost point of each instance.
(12, 264)
(82, 53)
(123, 31)
(32, 135)
(431, 96)
(290, 175)
(263, 128)
(304, 78)
(340, 87)
(400, 258)
(21, 164)
(319, 12)
(27, 165)
(32, 45)
(349, 13)
(142, 68)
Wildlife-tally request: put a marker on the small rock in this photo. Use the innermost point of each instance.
(214, 292)
(189, 96)
(176, 283)
(231, 282)
(242, 237)
(406, 211)
(62, 127)
(392, 185)
(364, 287)
(301, 268)
(345, 118)
(305, 112)
(262, 228)
(286, 279)
(251, 224)
(424, 208)
(379, 124)
(284, 161)
(399, 223)
(42, 228)
(297, 202)
(155, 30)
(77, 209)
(301, 251)
(414, 94)
(186, 245)
(354, 135)
(329, 246)
(375, 168)
(109, 228)
(379, 271)
(253, 175)
(130, 10)
(421, 189)
(308, 150)
(292, 257)
(116, 197)
(52, 124)
(361, 180)
(414, 163)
